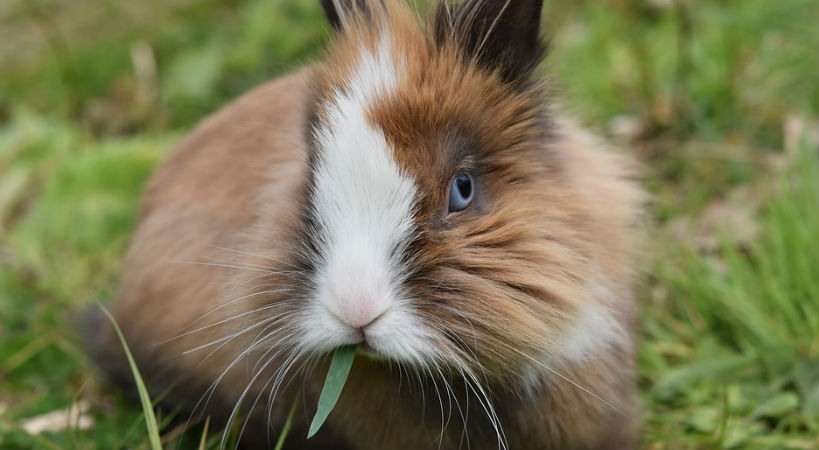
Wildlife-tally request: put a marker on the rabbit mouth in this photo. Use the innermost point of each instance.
(397, 334)
(365, 349)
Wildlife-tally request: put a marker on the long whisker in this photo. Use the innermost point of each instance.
(229, 266)
(256, 255)
(452, 396)
(283, 287)
(206, 396)
(238, 404)
(445, 419)
(575, 384)
(229, 337)
(283, 369)
(228, 319)
(486, 404)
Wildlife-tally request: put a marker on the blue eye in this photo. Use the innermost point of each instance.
(461, 192)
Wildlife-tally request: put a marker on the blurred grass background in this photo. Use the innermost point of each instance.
(719, 99)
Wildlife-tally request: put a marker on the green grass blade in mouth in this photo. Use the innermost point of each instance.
(333, 384)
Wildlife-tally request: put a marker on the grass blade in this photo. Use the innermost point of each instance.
(336, 377)
(203, 441)
(144, 398)
(287, 424)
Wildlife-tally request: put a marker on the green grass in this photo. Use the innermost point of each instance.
(731, 358)
(94, 93)
(337, 373)
(151, 424)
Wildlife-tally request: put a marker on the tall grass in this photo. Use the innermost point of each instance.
(732, 346)
(144, 398)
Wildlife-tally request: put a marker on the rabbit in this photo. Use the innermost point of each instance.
(419, 194)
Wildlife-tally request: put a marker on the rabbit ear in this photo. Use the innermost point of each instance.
(500, 35)
(338, 11)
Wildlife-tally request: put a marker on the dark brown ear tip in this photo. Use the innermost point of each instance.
(331, 14)
(336, 10)
(502, 36)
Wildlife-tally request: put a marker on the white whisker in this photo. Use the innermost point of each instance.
(229, 266)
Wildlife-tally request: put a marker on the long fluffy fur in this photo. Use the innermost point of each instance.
(525, 298)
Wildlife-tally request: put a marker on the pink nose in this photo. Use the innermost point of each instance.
(361, 312)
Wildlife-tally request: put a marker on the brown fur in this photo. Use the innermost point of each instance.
(550, 229)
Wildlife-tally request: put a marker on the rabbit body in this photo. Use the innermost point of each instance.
(325, 209)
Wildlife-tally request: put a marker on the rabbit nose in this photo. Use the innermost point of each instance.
(361, 311)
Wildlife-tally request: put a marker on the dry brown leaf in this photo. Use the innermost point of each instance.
(732, 218)
(796, 130)
(74, 417)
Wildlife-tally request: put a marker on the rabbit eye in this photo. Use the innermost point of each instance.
(461, 192)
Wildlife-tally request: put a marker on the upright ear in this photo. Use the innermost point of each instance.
(339, 11)
(499, 35)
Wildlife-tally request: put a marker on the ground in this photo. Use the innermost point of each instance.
(719, 100)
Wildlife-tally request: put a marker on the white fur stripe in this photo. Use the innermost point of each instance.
(363, 204)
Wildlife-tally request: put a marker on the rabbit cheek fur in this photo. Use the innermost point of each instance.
(313, 213)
